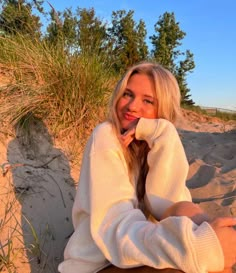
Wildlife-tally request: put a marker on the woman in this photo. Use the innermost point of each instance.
(132, 208)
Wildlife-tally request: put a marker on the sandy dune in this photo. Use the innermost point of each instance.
(38, 186)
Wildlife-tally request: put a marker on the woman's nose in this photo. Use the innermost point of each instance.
(134, 105)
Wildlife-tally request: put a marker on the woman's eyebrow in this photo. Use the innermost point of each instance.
(149, 96)
(129, 90)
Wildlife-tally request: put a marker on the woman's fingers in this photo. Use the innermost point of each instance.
(224, 229)
(224, 221)
(128, 136)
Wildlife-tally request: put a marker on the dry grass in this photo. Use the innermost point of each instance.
(63, 89)
(12, 248)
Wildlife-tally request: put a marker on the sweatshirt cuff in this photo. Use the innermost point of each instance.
(209, 238)
(146, 128)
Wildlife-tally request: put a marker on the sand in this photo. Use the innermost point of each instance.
(38, 182)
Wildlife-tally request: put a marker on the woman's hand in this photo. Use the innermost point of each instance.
(226, 233)
(128, 136)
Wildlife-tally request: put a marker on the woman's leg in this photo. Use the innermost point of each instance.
(143, 269)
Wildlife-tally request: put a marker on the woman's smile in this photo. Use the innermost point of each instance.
(138, 100)
(130, 117)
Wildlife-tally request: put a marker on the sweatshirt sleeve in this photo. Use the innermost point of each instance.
(122, 232)
(168, 166)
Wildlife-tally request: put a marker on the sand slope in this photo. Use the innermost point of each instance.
(210, 145)
(38, 186)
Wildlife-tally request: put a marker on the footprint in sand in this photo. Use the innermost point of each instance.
(229, 198)
(201, 174)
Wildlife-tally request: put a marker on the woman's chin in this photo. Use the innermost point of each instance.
(128, 125)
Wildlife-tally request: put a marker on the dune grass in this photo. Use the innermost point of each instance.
(10, 227)
(12, 246)
(47, 82)
(224, 115)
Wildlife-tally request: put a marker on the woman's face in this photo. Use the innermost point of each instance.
(138, 100)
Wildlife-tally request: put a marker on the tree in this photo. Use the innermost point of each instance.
(54, 29)
(17, 17)
(70, 29)
(127, 38)
(62, 31)
(181, 73)
(92, 35)
(166, 51)
(142, 46)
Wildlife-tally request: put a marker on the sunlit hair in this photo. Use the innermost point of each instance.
(168, 107)
(166, 87)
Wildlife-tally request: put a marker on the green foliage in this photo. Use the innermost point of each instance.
(166, 51)
(195, 108)
(70, 29)
(17, 17)
(167, 40)
(225, 115)
(12, 245)
(62, 31)
(5, 256)
(184, 67)
(9, 230)
(34, 248)
(218, 113)
(91, 31)
(142, 45)
(83, 32)
(128, 39)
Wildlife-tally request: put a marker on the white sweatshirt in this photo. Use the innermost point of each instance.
(109, 227)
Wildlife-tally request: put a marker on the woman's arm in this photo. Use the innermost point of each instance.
(189, 209)
(121, 231)
(168, 166)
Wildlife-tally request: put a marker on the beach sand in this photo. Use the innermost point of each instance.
(38, 184)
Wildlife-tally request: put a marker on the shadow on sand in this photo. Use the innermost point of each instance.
(45, 190)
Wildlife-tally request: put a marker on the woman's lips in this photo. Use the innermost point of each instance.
(129, 117)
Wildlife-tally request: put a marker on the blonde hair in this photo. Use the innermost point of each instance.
(168, 97)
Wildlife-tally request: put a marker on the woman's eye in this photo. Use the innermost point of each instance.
(127, 94)
(148, 101)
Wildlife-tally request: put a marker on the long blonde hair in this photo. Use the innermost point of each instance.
(168, 96)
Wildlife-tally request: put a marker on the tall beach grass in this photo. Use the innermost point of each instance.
(223, 115)
(67, 90)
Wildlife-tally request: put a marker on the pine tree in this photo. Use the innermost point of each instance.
(91, 31)
(166, 43)
(128, 39)
(142, 45)
(17, 17)
(62, 31)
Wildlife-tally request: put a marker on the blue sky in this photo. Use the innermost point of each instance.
(210, 28)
